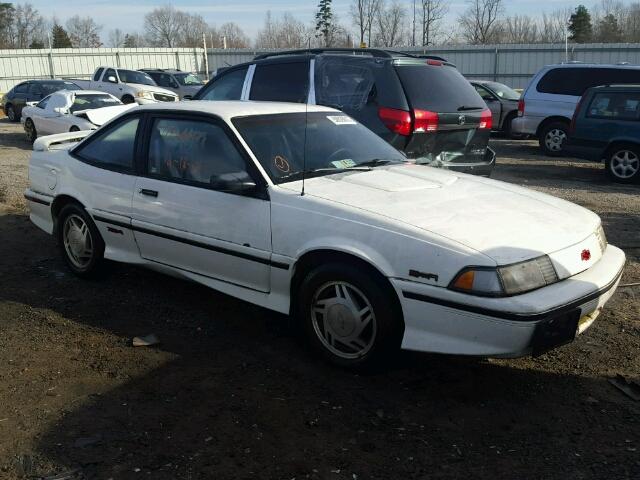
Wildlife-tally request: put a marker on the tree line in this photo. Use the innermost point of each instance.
(375, 23)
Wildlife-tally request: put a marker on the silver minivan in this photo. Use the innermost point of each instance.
(547, 105)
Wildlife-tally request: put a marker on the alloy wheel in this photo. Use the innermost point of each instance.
(343, 320)
(11, 113)
(624, 164)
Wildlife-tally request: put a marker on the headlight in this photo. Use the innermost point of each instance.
(507, 280)
(144, 94)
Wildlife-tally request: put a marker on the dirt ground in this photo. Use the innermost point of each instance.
(232, 393)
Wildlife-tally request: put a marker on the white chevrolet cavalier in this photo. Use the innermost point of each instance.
(368, 251)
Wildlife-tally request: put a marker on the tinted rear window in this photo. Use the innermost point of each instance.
(575, 81)
(438, 88)
(615, 106)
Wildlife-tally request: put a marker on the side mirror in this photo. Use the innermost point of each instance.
(234, 185)
(31, 104)
(112, 79)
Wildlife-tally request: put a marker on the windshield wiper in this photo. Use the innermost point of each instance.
(464, 108)
(377, 162)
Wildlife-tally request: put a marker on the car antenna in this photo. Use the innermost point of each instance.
(304, 145)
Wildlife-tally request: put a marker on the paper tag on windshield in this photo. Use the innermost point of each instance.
(341, 119)
(346, 163)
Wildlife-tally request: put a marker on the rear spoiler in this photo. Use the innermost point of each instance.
(45, 143)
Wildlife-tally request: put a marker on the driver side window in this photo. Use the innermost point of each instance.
(195, 152)
(110, 73)
(43, 103)
(484, 93)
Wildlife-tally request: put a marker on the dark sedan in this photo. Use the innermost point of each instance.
(501, 100)
(31, 91)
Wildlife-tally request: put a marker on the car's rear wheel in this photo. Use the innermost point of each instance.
(552, 138)
(349, 316)
(30, 130)
(623, 164)
(74, 128)
(80, 242)
(11, 113)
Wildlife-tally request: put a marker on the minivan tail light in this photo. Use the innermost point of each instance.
(398, 121)
(486, 120)
(425, 121)
(435, 63)
(521, 107)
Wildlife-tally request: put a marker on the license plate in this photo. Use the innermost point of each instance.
(554, 332)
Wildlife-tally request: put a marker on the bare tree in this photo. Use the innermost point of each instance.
(433, 12)
(116, 38)
(554, 26)
(83, 32)
(390, 25)
(192, 30)
(286, 32)
(363, 14)
(519, 29)
(479, 21)
(234, 35)
(28, 25)
(163, 26)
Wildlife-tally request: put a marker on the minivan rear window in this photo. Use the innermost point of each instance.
(575, 81)
(438, 88)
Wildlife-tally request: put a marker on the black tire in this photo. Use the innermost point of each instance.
(383, 332)
(74, 128)
(93, 264)
(127, 99)
(10, 111)
(622, 163)
(552, 137)
(507, 127)
(30, 130)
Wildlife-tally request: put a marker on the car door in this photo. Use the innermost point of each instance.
(108, 86)
(105, 176)
(184, 215)
(20, 95)
(39, 116)
(493, 102)
(50, 121)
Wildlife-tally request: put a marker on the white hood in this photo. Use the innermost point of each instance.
(100, 116)
(505, 222)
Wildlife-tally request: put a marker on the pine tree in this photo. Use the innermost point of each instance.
(60, 38)
(324, 22)
(129, 41)
(609, 30)
(35, 43)
(580, 25)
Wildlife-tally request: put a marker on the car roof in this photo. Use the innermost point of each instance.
(593, 65)
(236, 108)
(617, 86)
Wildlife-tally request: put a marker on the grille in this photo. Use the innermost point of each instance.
(160, 97)
(546, 268)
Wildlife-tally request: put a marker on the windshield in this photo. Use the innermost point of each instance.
(131, 76)
(335, 143)
(187, 79)
(51, 87)
(89, 102)
(503, 91)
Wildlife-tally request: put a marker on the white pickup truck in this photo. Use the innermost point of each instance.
(127, 85)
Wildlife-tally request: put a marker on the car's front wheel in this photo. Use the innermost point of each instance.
(30, 130)
(11, 113)
(79, 240)
(349, 316)
(127, 99)
(623, 164)
(552, 138)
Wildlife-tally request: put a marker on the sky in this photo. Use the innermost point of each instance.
(249, 14)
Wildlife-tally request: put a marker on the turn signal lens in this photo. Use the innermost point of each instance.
(398, 121)
(481, 282)
(465, 281)
(486, 120)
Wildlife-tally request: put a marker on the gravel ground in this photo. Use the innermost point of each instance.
(232, 393)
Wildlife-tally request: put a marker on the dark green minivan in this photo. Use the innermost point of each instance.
(606, 127)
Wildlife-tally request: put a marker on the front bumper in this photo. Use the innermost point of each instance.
(439, 320)
(482, 168)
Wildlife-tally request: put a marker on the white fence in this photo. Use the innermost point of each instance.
(510, 64)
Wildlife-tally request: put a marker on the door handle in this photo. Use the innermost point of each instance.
(150, 193)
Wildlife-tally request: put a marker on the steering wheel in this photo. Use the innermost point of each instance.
(340, 154)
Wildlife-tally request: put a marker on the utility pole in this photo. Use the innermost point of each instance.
(206, 55)
(413, 36)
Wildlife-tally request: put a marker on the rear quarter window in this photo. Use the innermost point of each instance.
(281, 82)
(438, 88)
(576, 81)
(615, 106)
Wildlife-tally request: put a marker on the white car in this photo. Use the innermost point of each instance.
(69, 111)
(369, 252)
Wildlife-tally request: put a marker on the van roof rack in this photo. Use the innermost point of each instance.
(374, 52)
